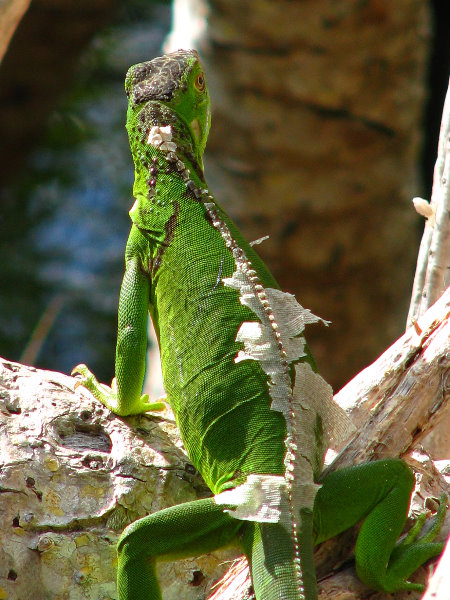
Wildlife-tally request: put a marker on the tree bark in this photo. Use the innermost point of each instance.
(433, 265)
(72, 476)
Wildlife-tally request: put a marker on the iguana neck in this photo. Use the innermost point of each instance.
(182, 148)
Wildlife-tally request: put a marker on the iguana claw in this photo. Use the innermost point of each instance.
(109, 396)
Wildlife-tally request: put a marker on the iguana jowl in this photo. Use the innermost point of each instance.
(254, 416)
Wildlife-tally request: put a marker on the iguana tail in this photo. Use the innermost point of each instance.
(277, 573)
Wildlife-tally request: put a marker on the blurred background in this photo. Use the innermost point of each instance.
(325, 124)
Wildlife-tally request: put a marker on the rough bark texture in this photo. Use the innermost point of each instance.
(404, 395)
(71, 477)
(316, 130)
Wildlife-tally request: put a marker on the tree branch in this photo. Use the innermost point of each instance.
(433, 263)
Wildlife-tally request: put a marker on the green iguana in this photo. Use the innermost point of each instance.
(254, 415)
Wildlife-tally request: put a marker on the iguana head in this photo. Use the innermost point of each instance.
(175, 81)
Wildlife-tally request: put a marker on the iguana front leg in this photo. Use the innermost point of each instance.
(124, 395)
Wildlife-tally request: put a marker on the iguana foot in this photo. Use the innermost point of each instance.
(413, 551)
(109, 396)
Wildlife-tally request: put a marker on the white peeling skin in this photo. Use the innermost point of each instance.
(310, 400)
(260, 343)
(259, 498)
(313, 393)
(304, 495)
(161, 137)
(291, 316)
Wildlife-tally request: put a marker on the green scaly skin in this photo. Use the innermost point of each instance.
(181, 251)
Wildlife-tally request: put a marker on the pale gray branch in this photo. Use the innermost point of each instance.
(433, 263)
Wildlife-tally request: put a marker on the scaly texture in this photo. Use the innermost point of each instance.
(254, 415)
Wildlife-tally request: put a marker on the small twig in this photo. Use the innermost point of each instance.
(432, 272)
(42, 329)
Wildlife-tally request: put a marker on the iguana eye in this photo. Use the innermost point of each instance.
(200, 82)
